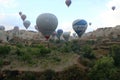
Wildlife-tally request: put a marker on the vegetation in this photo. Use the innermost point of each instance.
(4, 50)
(72, 60)
(115, 53)
(87, 52)
(103, 69)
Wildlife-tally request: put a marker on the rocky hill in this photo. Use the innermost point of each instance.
(112, 33)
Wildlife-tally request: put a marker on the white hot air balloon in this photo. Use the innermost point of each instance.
(47, 23)
(26, 23)
(66, 35)
(2, 27)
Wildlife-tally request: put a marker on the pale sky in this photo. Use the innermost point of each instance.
(98, 12)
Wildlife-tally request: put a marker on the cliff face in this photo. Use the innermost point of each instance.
(108, 32)
(103, 33)
(5, 36)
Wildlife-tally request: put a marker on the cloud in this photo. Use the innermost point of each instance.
(8, 3)
(10, 20)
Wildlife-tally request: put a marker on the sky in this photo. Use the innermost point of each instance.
(98, 12)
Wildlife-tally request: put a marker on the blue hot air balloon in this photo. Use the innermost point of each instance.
(79, 26)
(59, 33)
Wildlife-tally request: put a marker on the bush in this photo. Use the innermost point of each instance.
(72, 73)
(75, 46)
(115, 53)
(29, 76)
(102, 69)
(23, 56)
(66, 48)
(19, 45)
(4, 50)
(87, 52)
(47, 75)
(1, 62)
(42, 52)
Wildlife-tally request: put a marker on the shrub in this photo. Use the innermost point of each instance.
(5, 50)
(115, 53)
(66, 47)
(102, 69)
(72, 73)
(29, 76)
(23, 56)
(47, 75)
(19, 45)
(42, 52)
(87, 52)
(75, 46)
(1, 62)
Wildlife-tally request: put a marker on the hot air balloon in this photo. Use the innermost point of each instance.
(54, 34)
(68, 2)
(66, 35)
(59, 33)
(79, 26)
(23, 17)
(113, 8)
(16, 31)
(20, 13)
(47, 23)
(74, 35)
(26, 23)
(36, 27)
(2, 27)
(90, 23)
(16, 28)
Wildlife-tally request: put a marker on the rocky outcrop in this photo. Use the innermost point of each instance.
(104, 33)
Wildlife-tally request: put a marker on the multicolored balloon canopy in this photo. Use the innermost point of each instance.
(79, 26)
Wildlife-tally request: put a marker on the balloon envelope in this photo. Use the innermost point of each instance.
(59, 33)
(79, 26)
(47, 23)
(68, 2)
(16, 28)
(66, 35)
(54, 33)
(113, 8)
(2, 27)
(90, 23)
(26, 23)
(36, 27)
(20, 13)
(23, 17)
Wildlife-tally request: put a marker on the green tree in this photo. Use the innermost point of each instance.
(88, 52)
(103, 69)
(115, 53)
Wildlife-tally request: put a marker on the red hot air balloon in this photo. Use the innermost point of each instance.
(68, 2)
